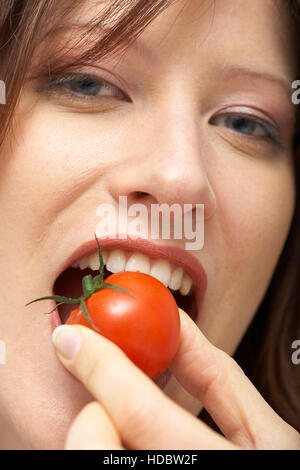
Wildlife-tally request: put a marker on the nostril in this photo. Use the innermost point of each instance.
(140, 194)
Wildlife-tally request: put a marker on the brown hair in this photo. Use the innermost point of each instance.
(265, 351)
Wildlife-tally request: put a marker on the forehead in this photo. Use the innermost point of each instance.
(197, 36)
(243, 30)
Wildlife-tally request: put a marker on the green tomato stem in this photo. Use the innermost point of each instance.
(90, 285)
(86, 314)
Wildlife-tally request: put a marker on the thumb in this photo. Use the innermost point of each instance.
(233, 402)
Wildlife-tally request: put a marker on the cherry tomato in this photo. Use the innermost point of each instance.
(145, 325)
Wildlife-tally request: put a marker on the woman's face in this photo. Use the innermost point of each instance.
(199, 112)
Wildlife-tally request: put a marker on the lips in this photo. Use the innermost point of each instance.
(175, 255)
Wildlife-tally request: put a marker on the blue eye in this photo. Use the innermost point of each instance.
(244, 125)
(254, 126)
(86, 86)
(83, 86)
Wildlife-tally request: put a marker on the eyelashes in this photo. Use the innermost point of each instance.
(89, 89)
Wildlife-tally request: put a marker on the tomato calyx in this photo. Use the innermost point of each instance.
(90, 285)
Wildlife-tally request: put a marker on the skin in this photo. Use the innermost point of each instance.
(67, 158)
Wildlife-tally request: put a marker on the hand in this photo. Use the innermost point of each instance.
(131, 412)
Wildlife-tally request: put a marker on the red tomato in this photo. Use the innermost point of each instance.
(146, 327)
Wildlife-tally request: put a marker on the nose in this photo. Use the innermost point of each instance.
(167, 164)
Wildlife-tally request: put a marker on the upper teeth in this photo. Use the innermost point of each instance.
(118, 260)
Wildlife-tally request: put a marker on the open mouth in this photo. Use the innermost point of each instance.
(174, 277)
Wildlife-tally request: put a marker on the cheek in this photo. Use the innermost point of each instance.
(255, 208)
(56, 159)
(257, 211)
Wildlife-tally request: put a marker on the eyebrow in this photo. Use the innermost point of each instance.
(236, 71)
(137, 44)
(140, 46)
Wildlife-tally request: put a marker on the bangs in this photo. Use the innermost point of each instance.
(42, 37)
(110, 31)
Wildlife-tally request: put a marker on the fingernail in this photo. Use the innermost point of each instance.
(67, 340)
